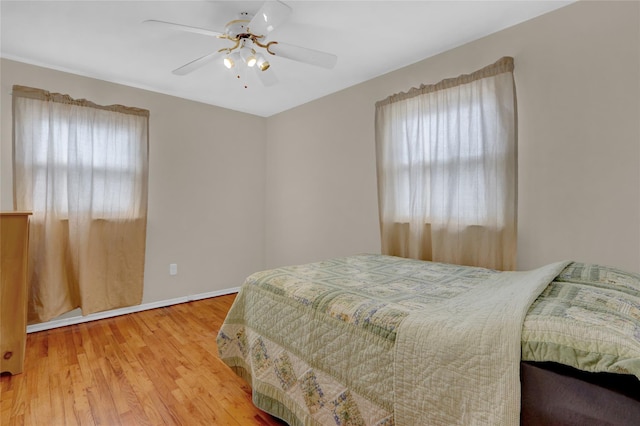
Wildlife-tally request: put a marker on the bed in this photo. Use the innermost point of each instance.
(381, 340)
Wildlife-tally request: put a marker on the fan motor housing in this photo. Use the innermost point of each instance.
(238, 27)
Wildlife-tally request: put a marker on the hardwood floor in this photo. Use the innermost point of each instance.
(157, 367)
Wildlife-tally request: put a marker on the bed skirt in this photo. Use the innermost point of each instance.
(553, 394)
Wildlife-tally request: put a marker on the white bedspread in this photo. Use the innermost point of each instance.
(459, 362)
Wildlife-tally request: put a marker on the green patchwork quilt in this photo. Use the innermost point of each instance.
(587, 318)
(338, 341)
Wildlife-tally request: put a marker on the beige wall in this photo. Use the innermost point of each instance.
(206, 182)
(232, 193)
(577, 81)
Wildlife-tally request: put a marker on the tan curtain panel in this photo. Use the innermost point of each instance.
(447, 170)
(82, 169)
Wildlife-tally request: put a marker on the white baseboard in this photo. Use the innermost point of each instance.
(128, 310)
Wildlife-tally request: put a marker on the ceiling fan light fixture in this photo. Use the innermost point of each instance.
(262, 63)
(231, 60)
(249, 56)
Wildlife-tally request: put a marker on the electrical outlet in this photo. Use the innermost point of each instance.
(173, 269)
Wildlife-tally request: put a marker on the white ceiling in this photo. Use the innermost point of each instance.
(106, 40)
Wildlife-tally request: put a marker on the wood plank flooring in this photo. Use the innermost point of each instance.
(156, 367)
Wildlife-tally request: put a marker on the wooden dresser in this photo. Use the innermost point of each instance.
(14, 242)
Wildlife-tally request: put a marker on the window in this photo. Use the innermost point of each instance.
(82, 170)
(446, 158)
(100, 149)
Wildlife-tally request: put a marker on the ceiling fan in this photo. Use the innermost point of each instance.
(250, 47)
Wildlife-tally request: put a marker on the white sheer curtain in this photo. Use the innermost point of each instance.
(447, 170)
(82, 169)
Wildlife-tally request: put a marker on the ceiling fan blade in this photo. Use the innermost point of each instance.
(303, 54)
(267, 77)
(195, 64)
(270, 15)
(181, 27)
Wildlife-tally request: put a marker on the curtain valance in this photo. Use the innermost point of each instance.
(43, 95)
(503, 65)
